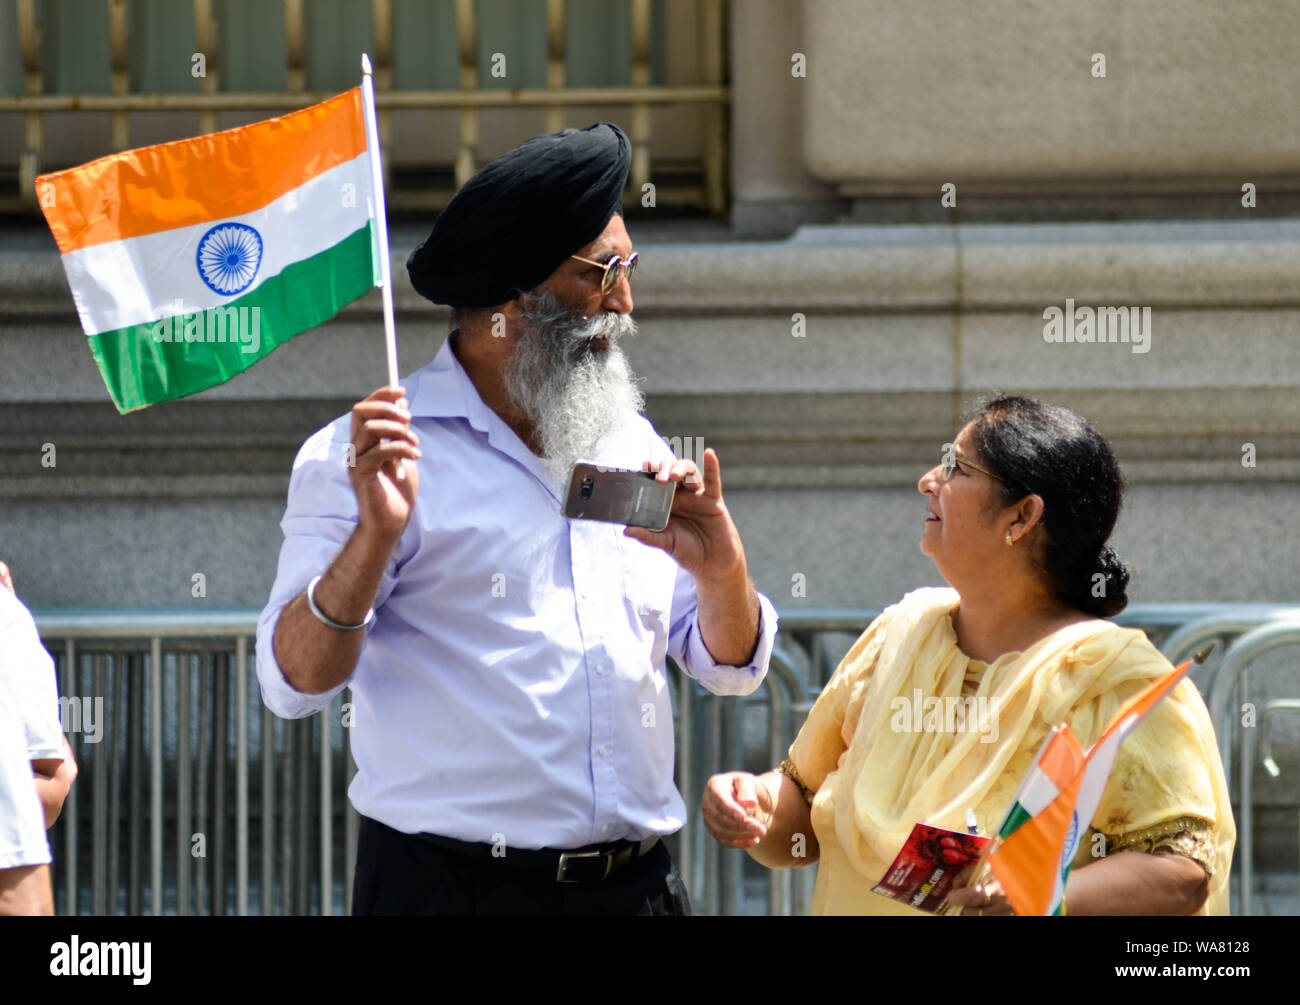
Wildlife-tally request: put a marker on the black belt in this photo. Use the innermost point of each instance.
(586, 865)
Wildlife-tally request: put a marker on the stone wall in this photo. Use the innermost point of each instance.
(822, 435)
(1010, 99)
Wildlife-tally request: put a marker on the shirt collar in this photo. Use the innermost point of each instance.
(444, 390)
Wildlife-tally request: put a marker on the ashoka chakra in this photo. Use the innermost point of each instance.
(228, 257)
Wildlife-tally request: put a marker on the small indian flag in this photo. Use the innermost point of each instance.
(1101, 755)
(1039, 838)
(1039, 825)
(190, 261)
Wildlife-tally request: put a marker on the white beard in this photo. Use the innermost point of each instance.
(573, 395)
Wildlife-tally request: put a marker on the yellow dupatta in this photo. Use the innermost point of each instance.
(877, 768)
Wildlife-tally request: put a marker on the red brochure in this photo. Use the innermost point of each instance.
(923, 873)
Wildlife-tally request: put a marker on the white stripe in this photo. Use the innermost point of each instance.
(1058, 891)
(1096, 773)
(139, 279)
(1038, 793)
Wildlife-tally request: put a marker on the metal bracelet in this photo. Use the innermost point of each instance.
(325, 619)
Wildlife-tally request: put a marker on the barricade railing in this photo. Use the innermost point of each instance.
(194, 798)
(205, 748)
(1229, 680)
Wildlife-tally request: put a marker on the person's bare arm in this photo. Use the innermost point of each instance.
(1134, 882)
(312, 656)
(766, 815)
(26, 890)
(1124, 883)
(729, 618)
(53, 780)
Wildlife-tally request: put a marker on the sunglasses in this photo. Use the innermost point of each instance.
(614, 268)
(950, 461)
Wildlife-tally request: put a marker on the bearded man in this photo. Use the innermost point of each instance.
(511, 720)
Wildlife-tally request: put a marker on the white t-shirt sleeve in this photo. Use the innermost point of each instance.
(22, 821)
(27, 682)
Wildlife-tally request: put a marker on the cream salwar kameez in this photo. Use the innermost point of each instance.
(873, 774)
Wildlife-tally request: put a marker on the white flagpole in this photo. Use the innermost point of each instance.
(380, 215)
(381, 225)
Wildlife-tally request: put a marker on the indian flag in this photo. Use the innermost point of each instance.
(191, 261)
(1101, 756)
(1030, 842)
(1059, 797)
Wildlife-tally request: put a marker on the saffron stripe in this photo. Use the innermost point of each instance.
(208, 178)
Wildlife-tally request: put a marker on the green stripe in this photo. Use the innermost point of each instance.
(1015, 819)
(140, 370)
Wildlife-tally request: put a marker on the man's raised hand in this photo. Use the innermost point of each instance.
(700, 534)
(382, 439)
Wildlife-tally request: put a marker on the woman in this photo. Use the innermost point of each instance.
(1018, 517)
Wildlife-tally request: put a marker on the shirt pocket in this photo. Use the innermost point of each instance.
(649, 579)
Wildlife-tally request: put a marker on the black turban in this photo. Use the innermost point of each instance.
(520, 217)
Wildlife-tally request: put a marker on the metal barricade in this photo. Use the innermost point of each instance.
(1230, 675)
(158, 708)
(1270, 710)
(197, 803)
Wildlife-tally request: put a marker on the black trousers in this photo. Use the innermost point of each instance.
(401, 874)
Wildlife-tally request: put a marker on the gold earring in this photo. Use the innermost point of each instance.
(1009, 541)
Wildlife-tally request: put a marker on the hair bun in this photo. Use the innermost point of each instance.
(1103, 585)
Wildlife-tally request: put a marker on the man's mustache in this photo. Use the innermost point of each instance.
(609, 325)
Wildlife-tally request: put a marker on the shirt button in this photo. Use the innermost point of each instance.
(600, 669)
(605, 829)
(601, 750)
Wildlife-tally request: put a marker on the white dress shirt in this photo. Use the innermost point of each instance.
(512, 688)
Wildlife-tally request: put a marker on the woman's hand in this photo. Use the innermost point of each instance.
(981, 900)
(737, 809)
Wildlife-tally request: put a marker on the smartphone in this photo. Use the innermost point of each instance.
(616, 495)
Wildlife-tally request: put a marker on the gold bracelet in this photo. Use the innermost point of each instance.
(788, 769)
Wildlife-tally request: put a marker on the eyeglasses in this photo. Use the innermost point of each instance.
(950, 460)
(614, 268)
